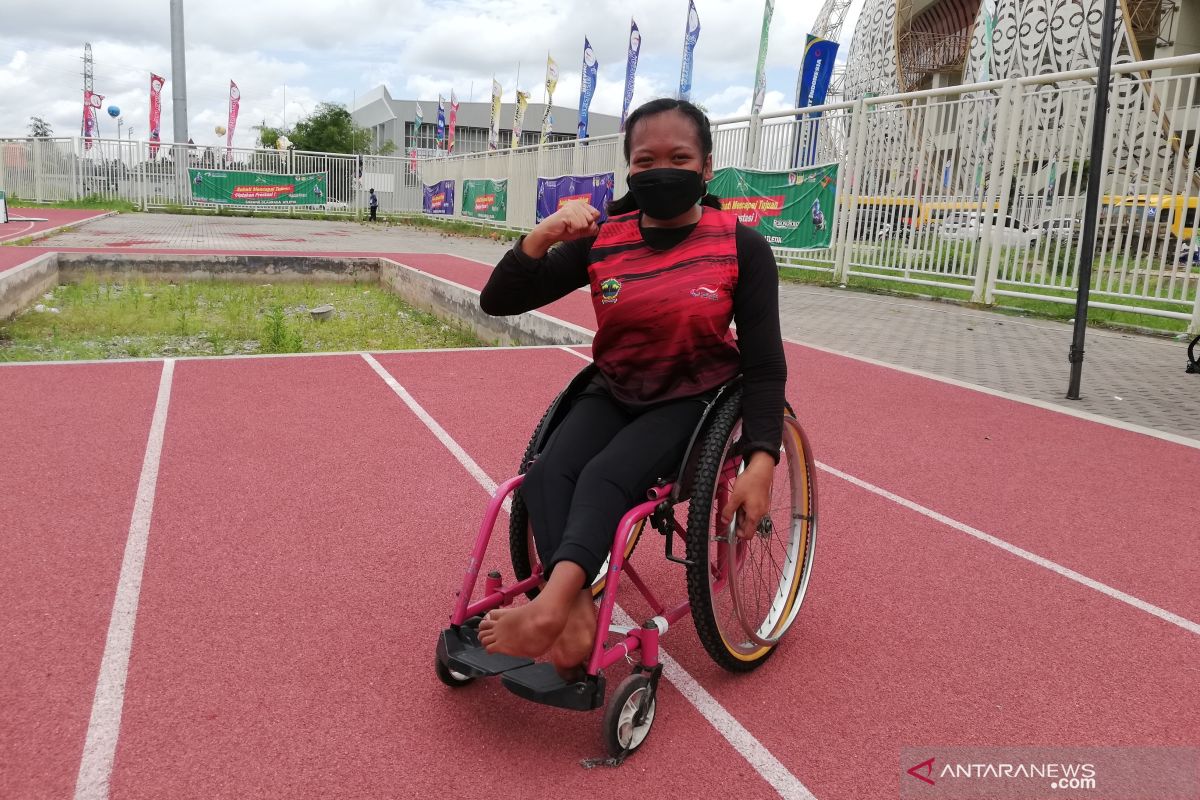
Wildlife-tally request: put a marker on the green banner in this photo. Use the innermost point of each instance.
(234, 187)
(791, 209)
(485, 199)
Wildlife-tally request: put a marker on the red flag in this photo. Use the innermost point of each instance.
(453, 120)
(235, 96)
(156, 84)
(91, 102)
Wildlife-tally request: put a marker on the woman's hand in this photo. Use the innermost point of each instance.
(577, 219)
(751, 495)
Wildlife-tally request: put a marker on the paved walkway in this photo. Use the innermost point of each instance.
(1135, 379)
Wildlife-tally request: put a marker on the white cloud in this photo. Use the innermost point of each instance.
(417, 47)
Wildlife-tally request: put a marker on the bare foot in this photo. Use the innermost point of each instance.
(572, 649)
(527, 631)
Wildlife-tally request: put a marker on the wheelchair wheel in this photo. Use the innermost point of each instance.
(521, 549)
(745, 594)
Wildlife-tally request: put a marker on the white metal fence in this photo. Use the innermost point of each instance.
(972, 189)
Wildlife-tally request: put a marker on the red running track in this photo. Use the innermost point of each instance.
(55, 218)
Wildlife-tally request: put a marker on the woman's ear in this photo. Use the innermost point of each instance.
(708, 168)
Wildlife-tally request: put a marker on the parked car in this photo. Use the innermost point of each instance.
(1057, 230)
(967, 226)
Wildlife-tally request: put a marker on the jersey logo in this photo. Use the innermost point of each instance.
(609, 290)
(706, 293)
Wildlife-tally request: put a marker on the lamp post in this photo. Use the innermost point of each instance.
(1091, 210)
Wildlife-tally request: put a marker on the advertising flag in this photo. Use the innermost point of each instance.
(552, 193)
(760, 75)
(235, 187)
(631, 62)
(811, 87)
(91, 104)
(412, 160)
(587, 86)
(156, 84)
(438, 198)
(791, 209)
(441, 123)
(453, 122)
(234, 102)
(494, 128)
(519, 117)
(418, 118)
(691, 35)
(551, 85)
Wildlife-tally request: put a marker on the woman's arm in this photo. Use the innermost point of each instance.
(535, 272)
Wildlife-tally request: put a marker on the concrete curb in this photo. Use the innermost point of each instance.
(23, 284)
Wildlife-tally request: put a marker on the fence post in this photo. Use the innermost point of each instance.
(1007, 167)
(1194, 325)
(3, 157)
(848, 203)
(753, 143)
(989, 208)
(39, 178)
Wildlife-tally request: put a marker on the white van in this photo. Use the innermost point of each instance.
(967, 226)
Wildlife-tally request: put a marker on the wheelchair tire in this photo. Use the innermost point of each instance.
(521, 550)
(744, 595)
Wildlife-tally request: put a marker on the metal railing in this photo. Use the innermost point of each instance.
(976, 190)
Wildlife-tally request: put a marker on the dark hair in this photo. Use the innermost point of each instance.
(623, 205)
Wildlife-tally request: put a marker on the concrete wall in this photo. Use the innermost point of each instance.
(21, 286)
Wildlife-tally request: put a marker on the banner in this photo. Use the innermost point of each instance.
(453, 122)
(791, 209)
(438, 198)
(553, 192)
(156, 84)
(494, 127)
(412, 161)
(551, 85)
(760, 75)
(811, 88)
(519, 117)
(239, 188)
(691, 35)
(235, 100)
(441, 123)
(587, 86)
(91, 104)
(485, 199)
(418, 118)
(631, 62)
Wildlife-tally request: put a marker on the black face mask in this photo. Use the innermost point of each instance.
(666, 193)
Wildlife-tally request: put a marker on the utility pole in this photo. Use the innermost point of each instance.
(178, 75)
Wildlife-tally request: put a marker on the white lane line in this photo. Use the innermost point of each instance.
(759, 757)
(575, 353)
(1029, 401)
(1054, 567)
(100, 746)
(14, 235)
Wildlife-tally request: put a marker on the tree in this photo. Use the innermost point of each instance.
(387, 148)
(330, 129)
(40, 128)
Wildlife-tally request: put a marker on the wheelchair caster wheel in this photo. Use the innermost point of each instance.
(629, 715)
(450, 677)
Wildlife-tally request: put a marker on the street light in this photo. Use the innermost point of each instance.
(1095, 174)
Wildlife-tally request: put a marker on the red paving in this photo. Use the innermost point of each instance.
(309, 531)
(55, 218)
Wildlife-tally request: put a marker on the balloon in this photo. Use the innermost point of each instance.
(220, 130)
(283, 143)
(113, 111)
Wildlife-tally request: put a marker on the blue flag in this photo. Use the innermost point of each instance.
(441, 123)
(635, 48)
(587, 86)
(690, 36)
(811, 88)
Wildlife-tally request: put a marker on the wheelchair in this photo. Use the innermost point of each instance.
(742, 595)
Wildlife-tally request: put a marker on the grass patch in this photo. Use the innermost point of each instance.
(129, 317)
(92, 202)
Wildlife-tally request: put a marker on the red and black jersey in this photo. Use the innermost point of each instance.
(664, 300)
(662, 316)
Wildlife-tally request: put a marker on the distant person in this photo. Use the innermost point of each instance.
(373, 202)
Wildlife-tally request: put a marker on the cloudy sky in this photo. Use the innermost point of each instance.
(333, 51)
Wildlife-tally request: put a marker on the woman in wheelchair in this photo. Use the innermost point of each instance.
(669, 271)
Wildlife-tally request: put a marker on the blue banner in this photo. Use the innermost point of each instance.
(811, 88)
(587, 86)
(553, 192)
(635, 49)
(690, 36)
(438, 198)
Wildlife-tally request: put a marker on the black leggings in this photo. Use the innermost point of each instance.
(598, 464)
